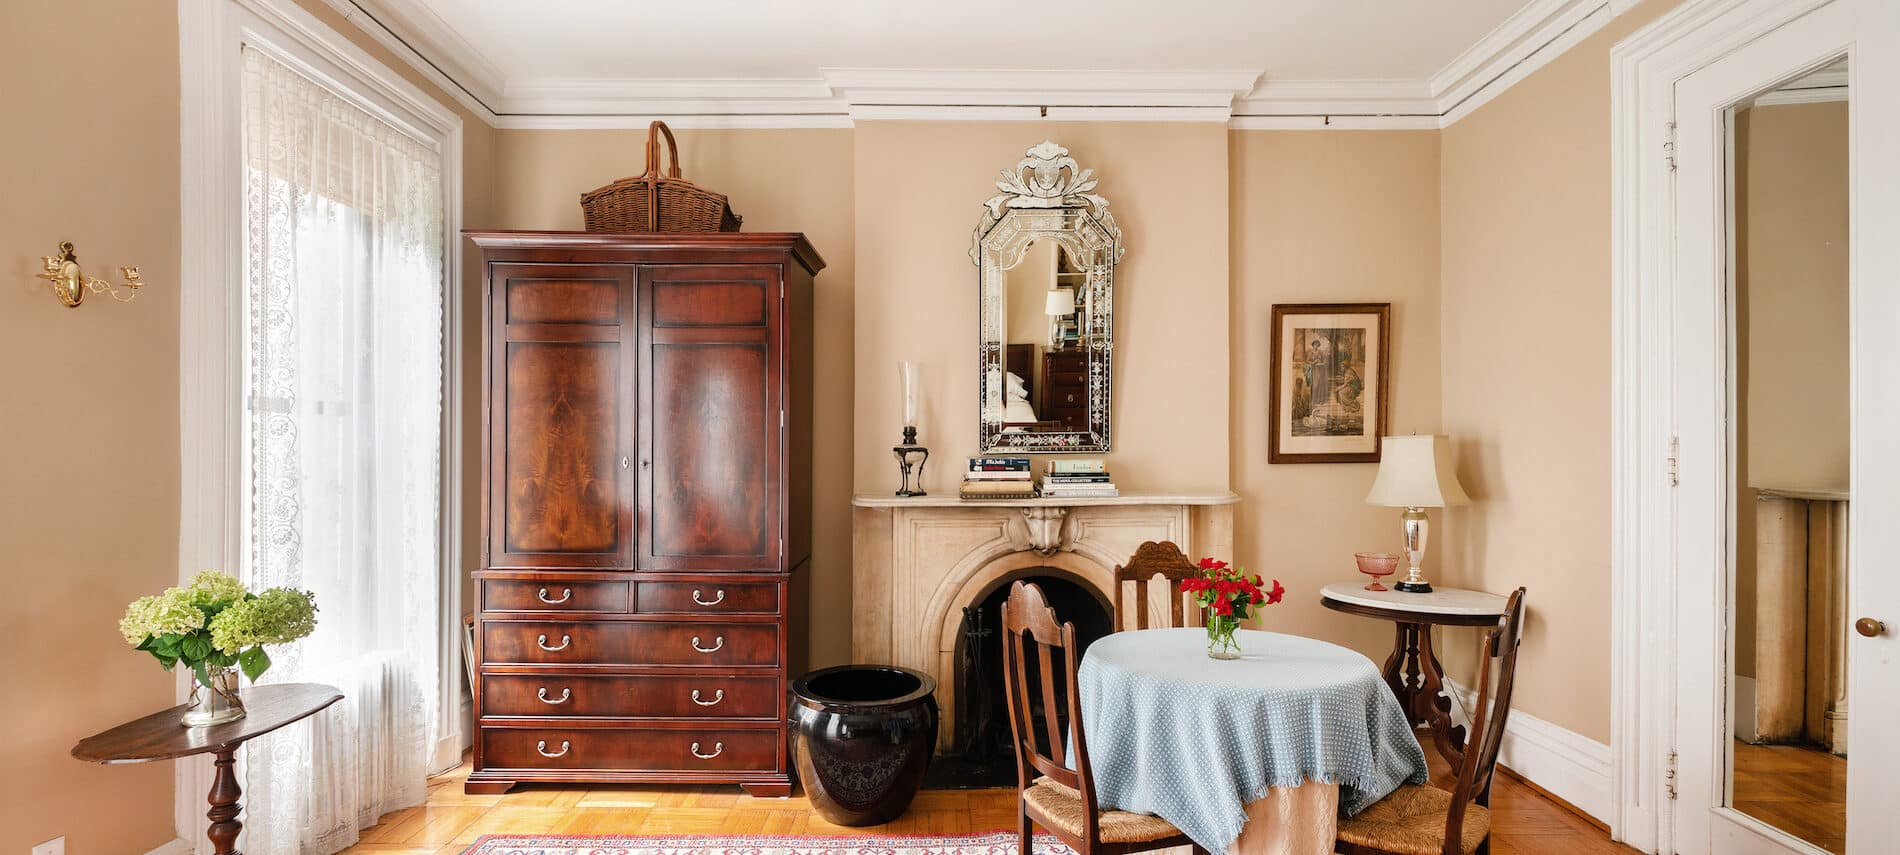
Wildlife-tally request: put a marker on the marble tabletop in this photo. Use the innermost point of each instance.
(1441, 600)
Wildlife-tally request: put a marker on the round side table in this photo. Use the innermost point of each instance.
(1412, 671)
(159, 736)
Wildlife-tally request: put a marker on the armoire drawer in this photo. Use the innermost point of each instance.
(628, 643)
(710, 749)
(527, 595)
(752, 598)
(566, 695)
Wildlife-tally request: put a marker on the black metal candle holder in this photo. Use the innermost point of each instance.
(904, 452)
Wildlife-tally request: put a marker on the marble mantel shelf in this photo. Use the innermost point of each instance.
(873, 500)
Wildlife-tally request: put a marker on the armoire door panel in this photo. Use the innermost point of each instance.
(702, 304)
(712, 432)
(563, 466)
(562, 416)
(577, 301)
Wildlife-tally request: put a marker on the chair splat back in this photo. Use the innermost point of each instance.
(1151, 559)
(1031, 634)
(1497, 653)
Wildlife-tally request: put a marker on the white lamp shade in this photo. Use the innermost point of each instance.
(1416, 472)
(1061, 302)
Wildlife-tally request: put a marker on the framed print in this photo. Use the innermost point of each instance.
(1327, 395)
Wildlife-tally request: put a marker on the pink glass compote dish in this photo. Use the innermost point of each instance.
(1376, 564)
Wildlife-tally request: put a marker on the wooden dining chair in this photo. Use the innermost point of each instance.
(1153, 559)
(1420, 819)
(1049, 793)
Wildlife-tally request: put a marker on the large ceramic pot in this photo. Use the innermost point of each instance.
(862, 736)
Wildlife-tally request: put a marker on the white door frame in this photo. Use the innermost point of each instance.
(1645, 70)
(210, 33)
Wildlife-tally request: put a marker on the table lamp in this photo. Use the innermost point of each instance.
(1415, 473)
(1059, 304)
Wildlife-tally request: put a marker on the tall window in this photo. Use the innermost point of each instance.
(343, 438)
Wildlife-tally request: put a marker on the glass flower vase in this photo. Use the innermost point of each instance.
(1220, 637)
(215, 704)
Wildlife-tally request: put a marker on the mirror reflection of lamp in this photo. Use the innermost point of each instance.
(1061, 304)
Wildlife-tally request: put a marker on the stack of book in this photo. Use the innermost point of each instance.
(998, 478)
(1078, 479)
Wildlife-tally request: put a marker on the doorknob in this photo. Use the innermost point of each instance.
(1869, 627)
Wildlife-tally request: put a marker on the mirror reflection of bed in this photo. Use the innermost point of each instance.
(1045, 383)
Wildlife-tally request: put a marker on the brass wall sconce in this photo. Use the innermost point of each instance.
(70, 285)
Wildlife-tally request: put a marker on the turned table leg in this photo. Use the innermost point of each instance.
(1434, 705)
(224, 804)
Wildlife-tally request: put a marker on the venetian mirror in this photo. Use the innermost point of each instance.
(1046, 250)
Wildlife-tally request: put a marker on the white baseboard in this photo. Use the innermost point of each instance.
(1742, 722)
(1569, 765)
(177, 846)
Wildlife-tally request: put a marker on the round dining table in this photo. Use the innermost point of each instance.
(1258, 755)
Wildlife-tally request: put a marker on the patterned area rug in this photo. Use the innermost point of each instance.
(987, 843)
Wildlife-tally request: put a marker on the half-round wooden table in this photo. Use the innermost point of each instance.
(160, 736)
(1412, 670)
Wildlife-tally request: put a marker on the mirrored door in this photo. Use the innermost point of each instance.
(1769, 344)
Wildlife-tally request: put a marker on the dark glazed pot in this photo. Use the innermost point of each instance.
(862, 736)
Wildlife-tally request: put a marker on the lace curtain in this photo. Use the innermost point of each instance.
(343, 290)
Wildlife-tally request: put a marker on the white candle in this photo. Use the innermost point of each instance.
(907, 372)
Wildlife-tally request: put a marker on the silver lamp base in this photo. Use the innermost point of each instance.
(1417, 527)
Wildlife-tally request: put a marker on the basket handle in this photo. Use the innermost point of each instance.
(653, 149)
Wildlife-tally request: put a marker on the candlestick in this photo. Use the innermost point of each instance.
(907, 374)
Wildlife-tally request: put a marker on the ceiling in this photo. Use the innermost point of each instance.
(581, 63)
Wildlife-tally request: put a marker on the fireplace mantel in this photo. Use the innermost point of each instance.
(883, 501)
(918, 561)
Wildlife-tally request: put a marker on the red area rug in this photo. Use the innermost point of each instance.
(986, 843)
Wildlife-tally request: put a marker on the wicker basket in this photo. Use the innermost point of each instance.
(658, 203)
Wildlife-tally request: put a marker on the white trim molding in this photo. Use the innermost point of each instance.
(210, 285)
(1567, 764)
(840, 97)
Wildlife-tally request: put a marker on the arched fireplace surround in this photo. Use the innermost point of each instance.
(917, 562)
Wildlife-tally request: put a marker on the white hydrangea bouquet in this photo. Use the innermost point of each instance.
(213, 625)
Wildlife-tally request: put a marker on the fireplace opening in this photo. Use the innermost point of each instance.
(981, 753)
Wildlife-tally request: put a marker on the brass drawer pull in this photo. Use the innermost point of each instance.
(566, 642)
(566, 594)
(719, 596)
(542, 749)
(718, 642)
(543, 695)
(717, 748)
(718, 695)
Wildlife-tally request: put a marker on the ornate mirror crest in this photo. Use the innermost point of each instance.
(1046, 197)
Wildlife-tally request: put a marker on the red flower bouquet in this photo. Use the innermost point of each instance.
(1226, 593)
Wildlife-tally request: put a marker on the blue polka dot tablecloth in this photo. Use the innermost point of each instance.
(1175, 734)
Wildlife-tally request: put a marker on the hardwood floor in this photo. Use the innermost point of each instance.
(1525, 823)
(1800, 790)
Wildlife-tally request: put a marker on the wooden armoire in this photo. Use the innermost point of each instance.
(646, 497)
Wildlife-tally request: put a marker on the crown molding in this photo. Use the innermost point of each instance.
(838, 97)
(1523, 43)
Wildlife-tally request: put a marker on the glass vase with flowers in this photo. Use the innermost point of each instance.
(1227, 595)
(216, 627)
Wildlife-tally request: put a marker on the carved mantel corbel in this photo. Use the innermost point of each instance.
(1047, 529)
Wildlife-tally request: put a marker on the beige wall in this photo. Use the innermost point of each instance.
(1792, 245)
(778, 180)
(1791, 226)
(1525, 184)
(1335, 217)
(89, 518)
(919, 191)
(91, 417)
